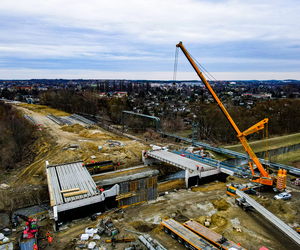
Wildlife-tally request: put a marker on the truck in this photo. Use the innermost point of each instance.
(248, 188)
(244, 204)
(184, 236)
(109, 227)
(212, 237)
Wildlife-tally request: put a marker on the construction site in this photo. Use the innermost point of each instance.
(107, 190)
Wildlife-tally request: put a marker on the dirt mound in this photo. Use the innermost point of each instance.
(180, 217)
(219, 221)
(44, 110)
(221, 204)
(142, 226)
(75, 128)
(280, 208)
(170, 185)
(210, 187)
(201, 219)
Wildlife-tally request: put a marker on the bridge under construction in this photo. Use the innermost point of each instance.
(192, 167)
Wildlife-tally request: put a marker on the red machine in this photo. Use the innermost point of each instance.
(31, 227)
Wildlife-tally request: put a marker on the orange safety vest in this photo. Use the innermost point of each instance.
(50, 239)
(48, 234)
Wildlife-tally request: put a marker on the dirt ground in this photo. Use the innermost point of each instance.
(197, 203)
(206, 201)
(55, 141)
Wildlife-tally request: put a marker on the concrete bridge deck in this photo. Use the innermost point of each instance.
(187, 164)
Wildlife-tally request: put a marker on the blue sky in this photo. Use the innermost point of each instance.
(133, 39)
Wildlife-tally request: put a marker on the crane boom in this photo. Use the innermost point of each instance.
(267, 179)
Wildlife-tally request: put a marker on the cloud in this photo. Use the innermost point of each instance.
(138, 75)
(144, 33)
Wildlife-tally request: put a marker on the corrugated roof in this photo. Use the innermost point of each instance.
(69, 176)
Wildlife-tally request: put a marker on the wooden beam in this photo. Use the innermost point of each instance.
(75, 193)
(126, 195)
(69, 190)
(50, 188)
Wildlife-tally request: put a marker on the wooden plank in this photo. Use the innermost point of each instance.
(133, 186)
(187, 235)
(75, 193)
(50, 188)
(126, 195)
(69, 190)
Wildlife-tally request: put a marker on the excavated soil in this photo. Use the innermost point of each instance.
(221, 204)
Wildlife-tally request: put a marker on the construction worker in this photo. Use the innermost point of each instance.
(239, 244)
(48, 233)
(35, 247)
(101, 189)
(50, 240)
(197, 167)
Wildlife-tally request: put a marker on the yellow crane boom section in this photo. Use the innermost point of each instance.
(240, 135)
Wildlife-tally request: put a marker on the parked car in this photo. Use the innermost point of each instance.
(282, 196)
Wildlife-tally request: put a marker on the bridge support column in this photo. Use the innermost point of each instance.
(148, 160)
(187, 176)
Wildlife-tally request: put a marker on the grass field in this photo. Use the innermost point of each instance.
(44, 110)
(273, 143)
(290, 159)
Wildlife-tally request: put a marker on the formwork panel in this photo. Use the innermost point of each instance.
(149, 182)
(129, 201)
(149, 194)
(124, 187)
(142, 184)
(142, 196)
(133, 186)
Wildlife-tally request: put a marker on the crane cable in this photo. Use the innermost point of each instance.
(175, 65)
(204, 71)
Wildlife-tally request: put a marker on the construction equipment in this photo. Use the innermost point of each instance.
(110, 229)
(264, 177)
(121, 240)
(31, 229)
(249, 188)
(244, 204)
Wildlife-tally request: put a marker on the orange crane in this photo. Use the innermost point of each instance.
(264, 178)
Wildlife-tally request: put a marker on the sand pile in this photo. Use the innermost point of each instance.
(128, 154)
(170, 185)
(180, 217)
(44, 110)
(218, 220)
(210, 187)
(221, 204)
(143, 226)
(75, 128)
(95, 133)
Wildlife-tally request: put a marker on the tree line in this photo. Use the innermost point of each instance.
(16, 135)
(283, 115)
